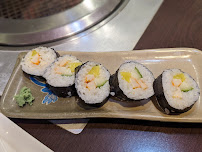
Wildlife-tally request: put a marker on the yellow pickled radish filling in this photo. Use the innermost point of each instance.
(135, 80)
(95, 71)
(181, 85)
(126, 76)
(66, 67)
(93, 79)
(34, 52)
(180, 76)
(74, 65)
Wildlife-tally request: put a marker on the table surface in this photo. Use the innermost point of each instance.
(178, 23)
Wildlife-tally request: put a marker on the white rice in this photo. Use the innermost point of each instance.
(92, 96)
(57, 80)
(188, 98)
(47, 55)
(138, 93)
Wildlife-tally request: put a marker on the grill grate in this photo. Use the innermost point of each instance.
(32, 9)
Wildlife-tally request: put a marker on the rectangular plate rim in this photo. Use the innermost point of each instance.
(72, 116)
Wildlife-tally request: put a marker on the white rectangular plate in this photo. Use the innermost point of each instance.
(15, 139)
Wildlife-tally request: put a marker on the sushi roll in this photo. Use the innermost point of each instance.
(132, 81)
(92, 83)
(176, 91)
(37, 60)
(60, 76)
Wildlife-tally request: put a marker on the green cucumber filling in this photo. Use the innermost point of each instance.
(179, 81)
(138, 72)
(67, 75)
(185, 87)
(187, 90)
(93, 79)
(101, 84)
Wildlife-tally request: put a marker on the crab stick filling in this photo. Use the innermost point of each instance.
(134, 78)
(93, 79)
(35, 57)
(66, 67)
(180, 85)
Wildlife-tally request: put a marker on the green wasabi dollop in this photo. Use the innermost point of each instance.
(24, 97)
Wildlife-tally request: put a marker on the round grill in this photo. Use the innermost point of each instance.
(32, 9)
(30, 22)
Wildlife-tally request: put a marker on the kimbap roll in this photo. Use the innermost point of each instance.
(37, 60)
(176, 91)
(92, 83)
(60, 75)
(132, 81)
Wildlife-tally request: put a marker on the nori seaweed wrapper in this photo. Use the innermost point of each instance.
(114, 87)
(89, 106)
(117, 91)
(162, 101)
(63, 91)
(81, 102)
(57, 54)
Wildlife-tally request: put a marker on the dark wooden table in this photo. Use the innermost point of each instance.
(178, 23)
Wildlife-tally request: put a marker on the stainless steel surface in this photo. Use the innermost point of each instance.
(32, 9)
(58, 26)
(7, 62)
(121, 33)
